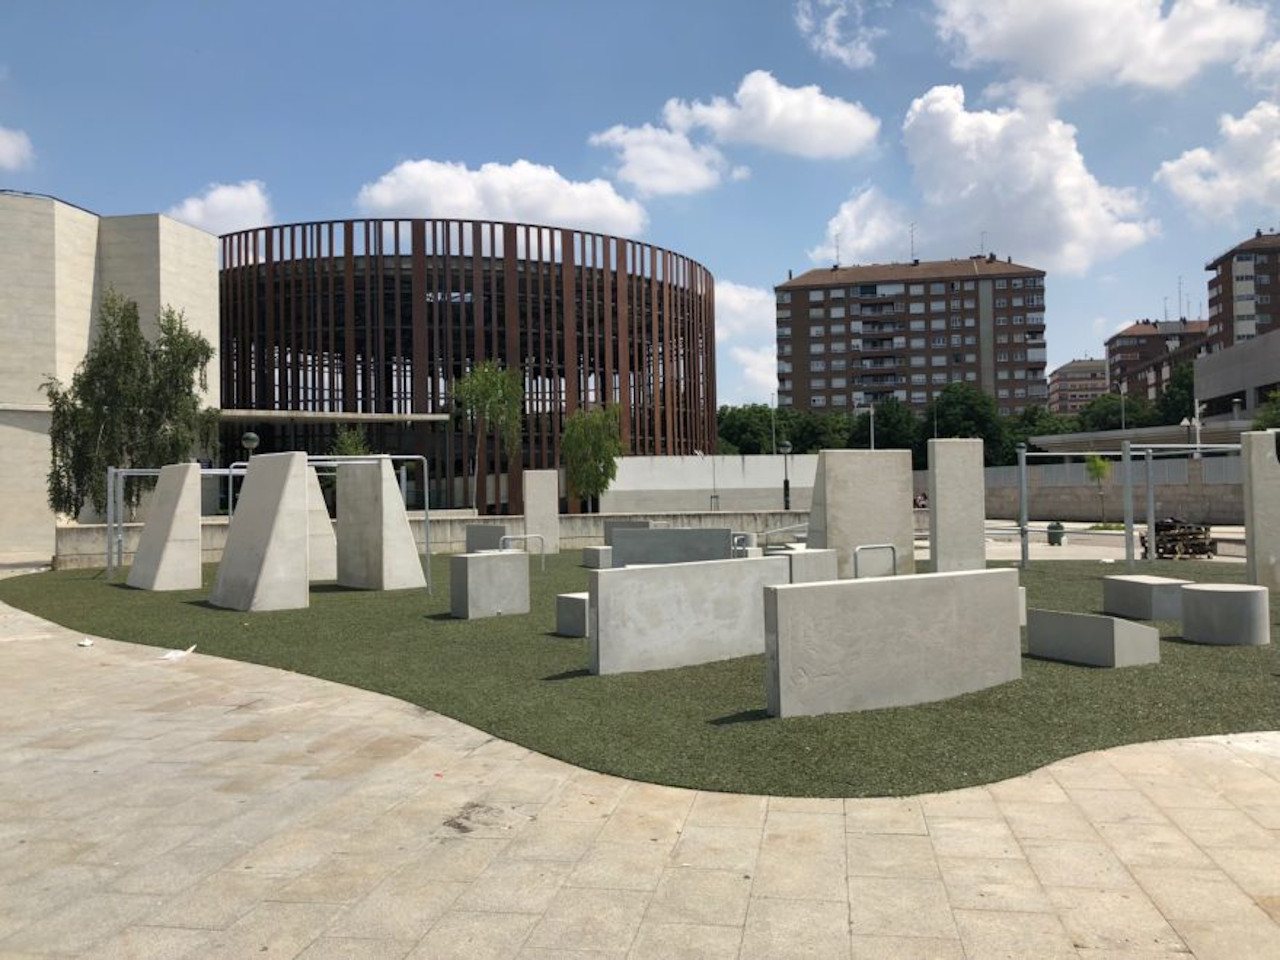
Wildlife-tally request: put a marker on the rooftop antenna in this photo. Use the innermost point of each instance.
(1166, 309)
(1181, 313)
(913, 241)
(982, 243)
(837, 248)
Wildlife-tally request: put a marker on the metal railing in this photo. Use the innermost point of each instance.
(505, 542)
(893, 555)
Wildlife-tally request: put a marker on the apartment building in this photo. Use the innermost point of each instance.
(1142, 356)
(1240, 290)
(853, 336)
(1076, 384)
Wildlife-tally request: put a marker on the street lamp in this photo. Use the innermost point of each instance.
(715, 493)
(250, 441)
(784, 448)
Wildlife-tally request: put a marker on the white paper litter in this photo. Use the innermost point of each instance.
(86, 642)
(178, 654)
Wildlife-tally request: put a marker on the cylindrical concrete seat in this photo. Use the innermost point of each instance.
(1229, 614)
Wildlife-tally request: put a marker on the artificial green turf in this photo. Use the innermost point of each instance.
(700, 726)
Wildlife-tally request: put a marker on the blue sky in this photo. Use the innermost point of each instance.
(1118, 144)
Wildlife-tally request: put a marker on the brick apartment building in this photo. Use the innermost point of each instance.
(1240, 291)
(852, 336)
(1142, 356)
(1076, 384)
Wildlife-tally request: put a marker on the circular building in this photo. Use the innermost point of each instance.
(374, 322)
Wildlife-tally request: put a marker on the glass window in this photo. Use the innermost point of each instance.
(937, 288)
(916, 289)
(835, 313)
(938, 323)
(818, 383)
(784, 296)
(784, 331)
(938, 360)
(917, 325)
(817, 348)
(817, 366)
(815, 296)
(915, 308)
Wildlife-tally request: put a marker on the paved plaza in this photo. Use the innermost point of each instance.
(208, 808)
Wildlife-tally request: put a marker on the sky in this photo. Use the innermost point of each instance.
(1117, 144)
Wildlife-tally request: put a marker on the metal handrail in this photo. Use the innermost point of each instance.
(505, 542)
(768, 533)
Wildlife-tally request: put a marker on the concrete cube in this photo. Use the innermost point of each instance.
(1228, 614)
(813, 566)
(488, 584)
(597, 558)
(571, 614)
(849, 645)
(1141, 597)
(1090, 639)
(168, 554)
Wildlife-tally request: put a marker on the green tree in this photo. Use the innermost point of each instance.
(1107, 413)
(1033, 422)
(812, 432)
(1098, 469)
(131, 403)
(1269, 413)
(961, 410)
(1178, 398)
(897, 428)
(350, 442)
(590, 446)
(748, 429)
(493, 398)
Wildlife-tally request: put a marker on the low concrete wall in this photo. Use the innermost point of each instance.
(85, 545)
(889, 642)
(670, 546)
(680, 614)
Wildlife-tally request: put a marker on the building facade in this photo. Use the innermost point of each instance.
(1241, 285)
(1076, 384)
(1142, 357)
(56, 262)
(854, 336)
(383, 317)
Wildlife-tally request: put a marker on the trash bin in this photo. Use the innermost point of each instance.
(1055, 534)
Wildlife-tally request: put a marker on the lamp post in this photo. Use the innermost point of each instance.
(773, 421)
(250, 441)
(784, 448)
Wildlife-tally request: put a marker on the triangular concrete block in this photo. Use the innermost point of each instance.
(376, 549)
(168, 555)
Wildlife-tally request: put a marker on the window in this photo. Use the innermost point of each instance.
(915, 308)
(1017, 301)
(839, 383)
(839, 364)
(1002, 338)
(838, 346)
(839, 400)
(815, 296)
(1264, 298)
(1003, 393)
(970, 322)
(957, 303)
(784, 331)
(937, 288)
(817, 366)
(955, 285)
(956, 323)
(955, 340)
(937, 306)
(817, 401)
(1020, 355)
(938, 360)
(970, 358)
(784, 366)
(836, 294)
(817, 348)
(836, 313)
(1020, 392)
(1002, 374)
(971, 375)
(916, 289)
(1019, 337)
(970, 340)
(1002, 321)
(938, 341)
(818, 383)
(1001, 303)
(784, 296)
(837, 330)
(917, 343)
(937, 323)
(918, 396)
(1002, 356)
(1017, 319)
(817, 330)
(1001, 283)
(917, 361)
(939, 378)
(957, 358)
(917, 326)
(1017, 284)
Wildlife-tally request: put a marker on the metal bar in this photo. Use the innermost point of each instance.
(1126, 460)
(857, 553)
(111, 483)
(505, 542)
(1025, 561)
(1151, 512)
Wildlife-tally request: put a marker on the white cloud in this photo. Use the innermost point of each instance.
(757, 374)
(226, 207)
(16, 151)
(743, 311)
(1016, 174)
(802, 121)
(1242, 171)
(521, 191)
(868, 226)
(656, 160)
(1146, 43)
(1263, 65)
(837, 30)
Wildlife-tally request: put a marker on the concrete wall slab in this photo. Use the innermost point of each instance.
(957, 505)
(666, 545)
(376, 550)
(1261, 507)
(542, 508)
(168, 555)
(863, 497)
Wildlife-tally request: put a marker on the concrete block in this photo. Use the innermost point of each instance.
(1261, 483)
(571, 614)
(813, 566)
(1022, 606)
(264, 563)
(488, 584)
(376, 550)
(666, 545)
(864, 497)
(957, 505)
(168, 555)
(597, 558)
(1141, 597)
(322, 542)
(865, 644)
(1228, 614)
(678, 614)
(484, 537)
(611, 525)
(1090, 639)
(542, 509)
(749, 553)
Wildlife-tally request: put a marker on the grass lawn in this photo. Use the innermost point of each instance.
(700, 726)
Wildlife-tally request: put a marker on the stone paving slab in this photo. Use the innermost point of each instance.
(208, 808)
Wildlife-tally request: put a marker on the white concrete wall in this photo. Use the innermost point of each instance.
(27, 303)
(1261, 508)
(957, 506)
(863, 498)
(889, 642)
(77, 286)
(27, 529)
(542, 509)
(648, 484)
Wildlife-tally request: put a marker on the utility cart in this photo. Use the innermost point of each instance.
(1179, 539)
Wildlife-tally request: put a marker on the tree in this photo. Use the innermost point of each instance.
(1109, 412)
(132, 403)
(897, 428)
(812, 432)
(1098, 469)
(493, 397)
(590, 446)
(749, 429)
(1269, 413)
(1033, 422)
(350, 442)
(961, 410)
(1178, 399)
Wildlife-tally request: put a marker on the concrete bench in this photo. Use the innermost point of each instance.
(1143, 598)
(597, 558)
(488, 584)
(1228, 614)
(1090, 639)
(571, 614)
